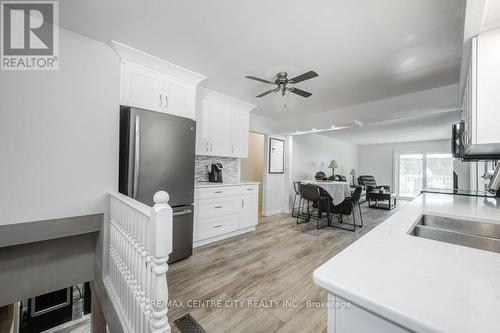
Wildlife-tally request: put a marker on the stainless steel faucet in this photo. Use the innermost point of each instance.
(494, 178)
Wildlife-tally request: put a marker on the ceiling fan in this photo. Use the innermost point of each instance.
(284, 85)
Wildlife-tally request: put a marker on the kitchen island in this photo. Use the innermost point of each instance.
(392, 281)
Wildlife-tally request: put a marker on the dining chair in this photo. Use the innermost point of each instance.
(311, 196)
(320, 175)
(297, 194)
(348, 207)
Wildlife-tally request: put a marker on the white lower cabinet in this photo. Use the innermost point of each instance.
(249, 206)
(224, 211)
(345, 317)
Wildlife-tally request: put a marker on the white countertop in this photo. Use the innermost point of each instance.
(239, 183)
(421, 284)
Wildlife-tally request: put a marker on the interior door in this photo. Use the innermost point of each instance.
(219, 131)
(239, 122)
(142, 88)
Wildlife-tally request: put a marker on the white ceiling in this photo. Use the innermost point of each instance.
(363, 50)
(433, 126)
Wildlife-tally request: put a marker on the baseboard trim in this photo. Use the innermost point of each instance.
(274, 212)
(223, 236)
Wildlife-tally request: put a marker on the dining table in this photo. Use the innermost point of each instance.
(336, 189)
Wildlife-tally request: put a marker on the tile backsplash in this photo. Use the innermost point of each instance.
(230, 165)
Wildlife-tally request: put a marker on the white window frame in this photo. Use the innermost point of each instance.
(424, 154)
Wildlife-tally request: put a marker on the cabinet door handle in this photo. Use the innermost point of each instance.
(218, 226)
(218, 207)
(166, 101)
(211, 146)
(232, 149)
(182, 212)
(464, 133)
(242, 203)
(136, 155)
(218, 192)
(249, 189)
(207, 146)
(161, 100)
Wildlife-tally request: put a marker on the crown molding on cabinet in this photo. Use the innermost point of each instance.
(127, 53)
(204, 94)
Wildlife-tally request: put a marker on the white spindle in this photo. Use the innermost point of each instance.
(140, 240)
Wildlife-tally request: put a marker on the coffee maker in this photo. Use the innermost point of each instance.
(215, 174)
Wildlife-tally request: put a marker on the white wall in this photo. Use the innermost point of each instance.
(378, 160)
(274, 197)
(313, 153)
(59, 134)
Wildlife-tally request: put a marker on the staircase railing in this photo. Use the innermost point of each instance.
(138, 241)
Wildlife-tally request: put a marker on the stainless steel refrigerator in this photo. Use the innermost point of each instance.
(157, 153)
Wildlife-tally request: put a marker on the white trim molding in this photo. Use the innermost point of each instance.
(204, 94)
(127, 53)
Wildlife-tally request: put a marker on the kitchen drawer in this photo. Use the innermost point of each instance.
(249, 189)
(215, 226)
(216, 192)
(217, 207)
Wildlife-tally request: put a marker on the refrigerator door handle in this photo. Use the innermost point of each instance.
(183, 212)
(136, 155)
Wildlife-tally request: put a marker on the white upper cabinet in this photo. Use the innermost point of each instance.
(151, 83)
(222, 125)
(142, 88)
(238, 133)
(202, 128)
(219, 130)
(481, 100)
(180, 98)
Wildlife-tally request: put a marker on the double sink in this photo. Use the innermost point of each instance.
(475, 234)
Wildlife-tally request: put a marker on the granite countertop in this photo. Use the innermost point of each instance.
(199, 184)
(421, 284)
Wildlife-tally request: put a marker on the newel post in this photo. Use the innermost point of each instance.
(161, 247)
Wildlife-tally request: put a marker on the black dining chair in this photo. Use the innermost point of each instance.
(297, 194)
(320, 175)
(315, 200)
(347, 207)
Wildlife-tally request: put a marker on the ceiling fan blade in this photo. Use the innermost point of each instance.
(305, 76)
(265, 93)
(258, 79)
(300, 92)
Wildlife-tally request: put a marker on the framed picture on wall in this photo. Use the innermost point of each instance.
(276, 155)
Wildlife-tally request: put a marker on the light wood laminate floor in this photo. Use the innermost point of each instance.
(274, 263)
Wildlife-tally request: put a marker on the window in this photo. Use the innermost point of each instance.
(410, 174)
(416, 171)
(439, 171)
